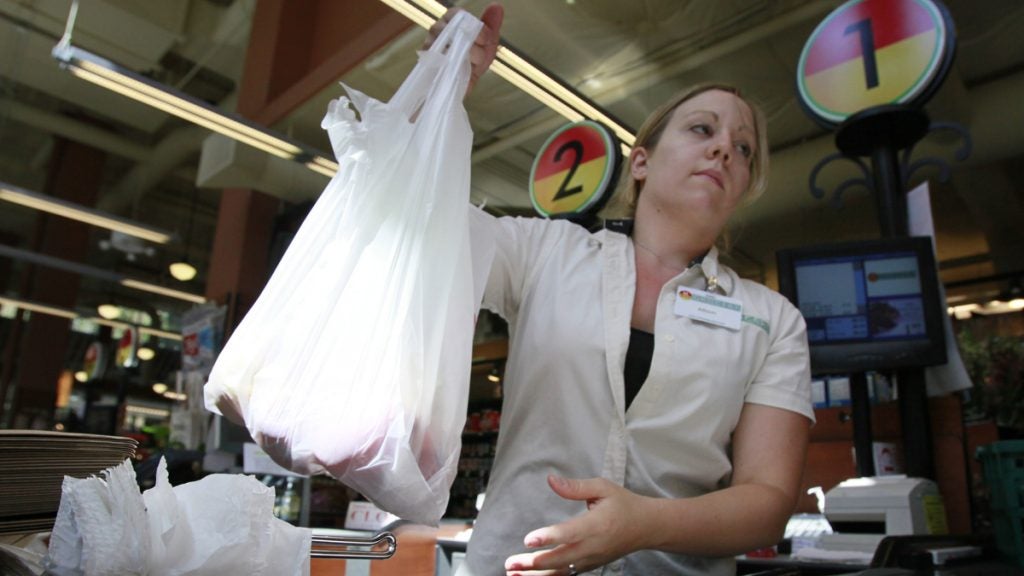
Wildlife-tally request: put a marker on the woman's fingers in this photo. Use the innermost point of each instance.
(438, 26)
(544, 563)
(486, 45)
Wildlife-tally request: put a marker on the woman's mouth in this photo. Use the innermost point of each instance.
(713, 175)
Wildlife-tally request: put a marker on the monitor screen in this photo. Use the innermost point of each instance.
(869, 305)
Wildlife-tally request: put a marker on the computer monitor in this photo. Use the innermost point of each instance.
(869, 305)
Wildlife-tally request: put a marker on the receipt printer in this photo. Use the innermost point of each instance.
(862, 511)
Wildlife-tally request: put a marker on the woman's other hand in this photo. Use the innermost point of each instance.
(612, 527)
(486, 45)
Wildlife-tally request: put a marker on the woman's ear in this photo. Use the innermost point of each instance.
(638, 163)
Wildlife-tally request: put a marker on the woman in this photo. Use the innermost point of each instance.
(669, 458)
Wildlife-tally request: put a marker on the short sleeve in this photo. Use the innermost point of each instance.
(520, 247)
(784, 380)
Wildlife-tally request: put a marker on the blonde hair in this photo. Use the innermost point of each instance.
(623, 204)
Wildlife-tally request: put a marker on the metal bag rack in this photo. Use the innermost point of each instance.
(338, 546)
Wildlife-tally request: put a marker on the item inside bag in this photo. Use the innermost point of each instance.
(355, 359)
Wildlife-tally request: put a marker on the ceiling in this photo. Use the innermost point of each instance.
(626, 56)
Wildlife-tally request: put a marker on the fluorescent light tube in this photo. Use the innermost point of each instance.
(71, 315)
(65, 209)
(524, 75)
(170, 292)
(324, 166)
(92, 271)
(108, 75)
(40, 308)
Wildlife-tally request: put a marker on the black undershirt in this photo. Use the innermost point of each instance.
(638, 362)
(641, 344)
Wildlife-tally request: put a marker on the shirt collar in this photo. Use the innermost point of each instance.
(708, 262)
(712, 268)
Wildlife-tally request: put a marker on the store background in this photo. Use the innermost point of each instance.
(626, 56)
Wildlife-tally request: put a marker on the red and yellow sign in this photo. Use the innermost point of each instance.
(95, 361)
(575, 170)
(873, 52)
(127, 347)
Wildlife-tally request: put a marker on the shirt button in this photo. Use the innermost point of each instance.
(670, 338)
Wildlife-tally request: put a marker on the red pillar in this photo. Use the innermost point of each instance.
(297, 47)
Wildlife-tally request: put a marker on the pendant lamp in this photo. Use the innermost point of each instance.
(183, 270)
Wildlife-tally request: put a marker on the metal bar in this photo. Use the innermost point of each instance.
(862, 437)
(339, 546)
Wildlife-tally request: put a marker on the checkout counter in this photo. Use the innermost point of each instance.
(863, 511)
(879, 526)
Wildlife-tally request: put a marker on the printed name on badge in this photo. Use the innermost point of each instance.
(707, 307)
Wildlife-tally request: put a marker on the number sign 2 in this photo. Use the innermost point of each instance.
(874, 52)
(575, 170)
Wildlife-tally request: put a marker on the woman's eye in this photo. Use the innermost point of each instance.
(745, 150)
(701, 129)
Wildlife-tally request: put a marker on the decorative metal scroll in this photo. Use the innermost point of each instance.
(907, 168)
(837, 194)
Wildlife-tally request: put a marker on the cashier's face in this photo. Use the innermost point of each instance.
(700, 165)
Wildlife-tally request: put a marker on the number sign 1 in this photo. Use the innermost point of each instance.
(575, 170)
(873, 52)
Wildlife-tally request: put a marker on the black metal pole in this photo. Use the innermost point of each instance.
(889, 195)
(880, 132)
(863, 444)
(913, 397)
(916, 423)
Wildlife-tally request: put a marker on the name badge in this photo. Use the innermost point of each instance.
(707, 307)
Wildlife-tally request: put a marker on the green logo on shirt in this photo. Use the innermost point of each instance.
(762, 324)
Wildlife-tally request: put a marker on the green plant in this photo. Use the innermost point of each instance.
(996, 367)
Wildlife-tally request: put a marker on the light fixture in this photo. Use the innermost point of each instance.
(145, 353)
(183, 270)
(85, 214)
(71, 315)
(85, 270)
(146, 411)
(81, 376)
(160, 388)
(39, 308)
(108, 311)
(525, 75)
(106, 74)
(965, 311)
(171, 292)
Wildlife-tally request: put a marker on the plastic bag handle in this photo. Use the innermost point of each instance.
(447, 54)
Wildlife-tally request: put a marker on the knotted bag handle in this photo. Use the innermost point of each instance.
(447, 56)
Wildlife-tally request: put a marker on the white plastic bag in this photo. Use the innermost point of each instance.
(355, 358)
(101, 526)
(220, 525)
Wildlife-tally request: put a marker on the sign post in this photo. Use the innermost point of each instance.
(865, 71)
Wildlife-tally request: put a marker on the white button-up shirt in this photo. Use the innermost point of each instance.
(568, 296)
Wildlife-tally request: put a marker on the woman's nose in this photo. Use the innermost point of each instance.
(721, 147)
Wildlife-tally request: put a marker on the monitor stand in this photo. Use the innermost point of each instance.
(914, 422)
